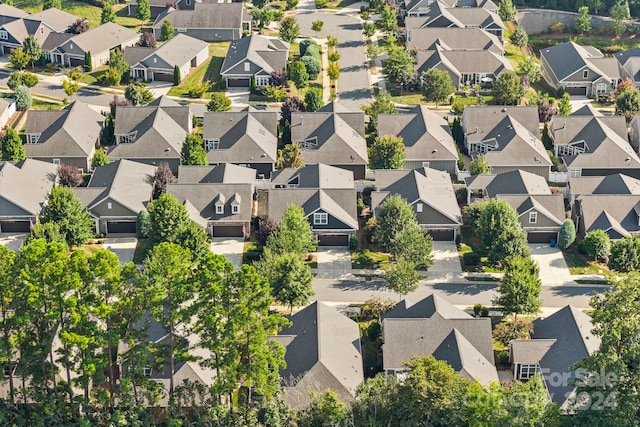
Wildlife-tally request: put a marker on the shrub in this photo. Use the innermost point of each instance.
(477, 309)
(369, 229)
(219, 102)
(353, 243)
(312, 50)
(567, 234)
(471, 258)
(507, 331)
(23, 98)
(304, 44)
(321, 4)
(373, 308)
(312, 65)
(264, 230)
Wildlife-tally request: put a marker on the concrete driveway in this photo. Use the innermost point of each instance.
(446, 264)
(334, 262)
(354, 88)
(12, 240)
(231, 247)
(239, 97)
(553, 267)
(123, 247)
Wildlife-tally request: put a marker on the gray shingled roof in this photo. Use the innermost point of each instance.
(210, 15)
(11, 12)
(54, 40)
(462, 62)
(225, 173)
(134, 54)
(70, 132)
(322, 352)
(616, 212)
(426, 136)
(202, 198)
(128, 183)
(245, 137)
(514, 182)
(568, 58)
(456, 16)
(453, 39)
(549, 205)
(179, 50)
(313, 176)
(268, 53)
(426, 307)
(56, 19)
(105, 37)
(485, 118)
(26, 185)
(610, 184)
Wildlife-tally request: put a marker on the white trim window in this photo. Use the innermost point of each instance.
(601, 88)
(56, 162)
(33, 138)
(235, 209)
(533, 217)
(262, 80)
(211, 144)
(219, 209)
(575, 173)
(128, 138)
(528, 370)
(320, 218)
(4, 35)
(585, 74)
(247, 67)
(146, 371)
(418, 207)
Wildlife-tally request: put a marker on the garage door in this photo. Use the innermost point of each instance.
(239, 83)
(15, 227)
(121, 227)
(339, 240)
(161, 77)
(442, 235)
(227, 231)
(76, 62)
(541, 237)
(576, 90)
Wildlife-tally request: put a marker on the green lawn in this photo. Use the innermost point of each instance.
(44, 105)
(366, 259)
(210, 71)
(93, 78)
(578, 264)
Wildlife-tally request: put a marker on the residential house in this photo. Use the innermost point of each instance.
(7, 109)
(247, 138)
(629, 61)
(441, 15)
(540, 210)
(453, 38)
(254, 57)
(16, 25)
(98, 42)
(320, 358)
(421, 7)
(580, 70)
(509, 137)
(68, 136)
(429, 192)
(617, 214)
(434, 327)
(634, 133)
(558, 342)
(609, 184)
(467, 68)
(24, 188)
(158, 64)
(218, 198)
(426, 137)
(590, 144)
(210, 22)
(151, 134)
(326, 194)
(332, 138)
(116, 193)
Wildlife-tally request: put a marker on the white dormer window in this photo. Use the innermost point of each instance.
(182, 30)
(4, 35)
(129, 138)
(293, 182)
(155, 60)
(309, 143)
(56, 161)
(146, 371)
(585, 74)
(247, 66)
(533, 217)
(211, 144)
(33, 138)
(71, 46)
(320, 218)
(418, 207)
(235, 209)
(109, 205)
(219, 209)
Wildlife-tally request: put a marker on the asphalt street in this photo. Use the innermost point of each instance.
(354, 88)
(360, 290)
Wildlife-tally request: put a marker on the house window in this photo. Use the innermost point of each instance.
(56, 161)
(575, 173)
(219, 209)
(528, 370)
(320, 218)
(262, 80)
(182, 30)
(146, 371)
(4, 35)
(9, 369)
(211, 144)
(129, 138)
(293, 182)
(585, 74)
(188, 2)
(425, 164)
(155, 60)
(533, 217)
(419, 207)
(247, 66)
(71, 46)
(33, 138)
(109, 205)
(601, 88)
(235, 209)
(309, 143)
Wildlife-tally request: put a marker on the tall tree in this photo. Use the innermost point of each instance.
(143, 10)
(290, 278)
(99, 158)
(289, 29)
(506, 10)
(387, 152)
(507, 89)
(436, 85)
(8, 291)
(620, 14)
(479, 166)
(48, 4)
(161, 179)
(529, 68)
(597, 244)
(382, 104)
(625, 254)
(193, 151)
(166, 31)
(519, 291)
(628, 103)
(399, 66)
(564, 106)
(290, 156)
(169, 218)
(325, 409)
(388, 21)
(293, 235)
(298, 74)
(19, 58)
(138, 94)
(33, 49)
(402, 277)
(567, 234)
(12, 148)
(313, 99)
(519, 37)
(394, 215)
(583, 23)
(66, 210)
(107, 14)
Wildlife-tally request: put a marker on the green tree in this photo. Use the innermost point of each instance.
(107, 14)
(298, 74)
(333, 71)
(263, 16)
(625, 254)
(373, 51)
(325, 409)
(8, 291)
(275, 93)
(166, 31)
(193, 151)
(289, 29)
(88, 61)
(382, 104)
(313, 99)
(369, 29)
(312, 65)
(402, 277)
(506, 10)
(399, 66)
(49, 231)
(169, 218)
(388, 21)
(316, 26)
(620, 14)
(290, 156)
(70, 87)
(19, 58)
(290, 278)
(519, 291)
(628, 103)
(583, 23)
(595, 5)
(33, 49)
(597, 244)
(529, 67)
(519, 37)
(293, 235)
(387, 152)
(99, 158)
(12, 148)
(48, 4)
(332, 42)
(22, 97)
(66, 210)
(436, 85)
(479, 165)
(415, 245)
(177, 75)
(564, 105)
(567, 234)
(143, 10)
(507, 90)
(219, 102)
(138, 94)
(143, 224)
